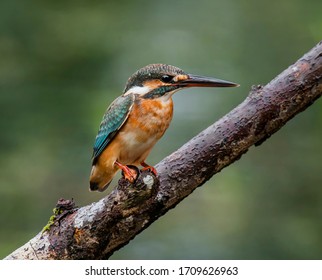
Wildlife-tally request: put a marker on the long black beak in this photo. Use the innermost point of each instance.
(200, 81)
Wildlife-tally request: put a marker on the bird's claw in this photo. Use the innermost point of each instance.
(130, 172)
(149, 168)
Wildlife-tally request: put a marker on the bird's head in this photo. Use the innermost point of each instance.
(157, 80)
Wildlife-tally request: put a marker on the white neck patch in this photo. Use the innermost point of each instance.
(138, 90)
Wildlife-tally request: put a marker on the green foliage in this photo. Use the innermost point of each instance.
(62, 63)
(51, 220)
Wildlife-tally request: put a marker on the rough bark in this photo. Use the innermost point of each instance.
(95, 231)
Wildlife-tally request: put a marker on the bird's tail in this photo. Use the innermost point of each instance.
(100, 178)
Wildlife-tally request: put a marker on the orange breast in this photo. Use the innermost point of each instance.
(151, 117)
(145, 125)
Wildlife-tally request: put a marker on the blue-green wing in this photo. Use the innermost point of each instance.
(113, 119)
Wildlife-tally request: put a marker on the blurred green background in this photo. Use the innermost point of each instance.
(63, 62)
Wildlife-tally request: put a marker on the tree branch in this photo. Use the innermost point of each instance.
(95, 231)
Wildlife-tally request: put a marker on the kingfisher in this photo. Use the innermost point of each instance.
(137, 119)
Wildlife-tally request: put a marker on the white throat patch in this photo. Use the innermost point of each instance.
(138, 90)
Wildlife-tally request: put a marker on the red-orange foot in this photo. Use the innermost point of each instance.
(128, 173)
(148, 167)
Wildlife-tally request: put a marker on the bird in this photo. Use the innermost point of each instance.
(137, 119)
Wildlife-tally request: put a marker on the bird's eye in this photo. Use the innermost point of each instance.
(166, 78)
